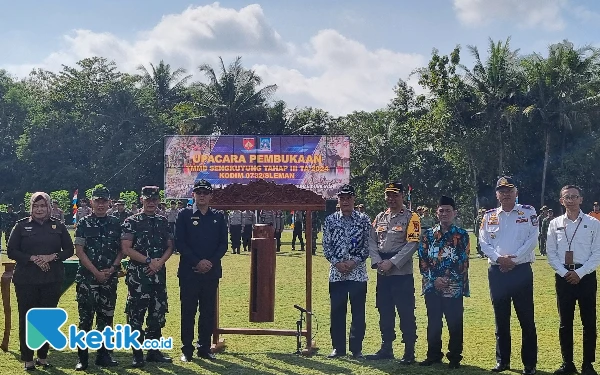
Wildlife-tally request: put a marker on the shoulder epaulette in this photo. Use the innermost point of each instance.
(489, 211)
(527, 207)
(23, 219)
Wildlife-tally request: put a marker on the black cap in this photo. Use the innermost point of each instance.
(202, 184)
(9, 205)
(150, 192)
(595, 203)
(120, 201)
(447, 201)
(505, 181)
(101, 193)
(550, 210)
(394, 187)
(347, 189)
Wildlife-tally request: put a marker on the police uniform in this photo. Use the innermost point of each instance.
(35, 287)
(298, 219)
(580, 238)
(544, 225)
(150, 236)
(278, 225)
(248, 220)
(235, 229)
(395, 237)
(58, 214)
(121, 215)
(200, 237)
(316, 227)
(476, 226)
(82, 212)
(513, 234)
(99, 240)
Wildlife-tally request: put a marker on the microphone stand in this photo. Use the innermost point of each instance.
(299, 333)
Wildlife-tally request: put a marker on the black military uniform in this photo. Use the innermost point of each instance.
(201, 237)
(297, 233)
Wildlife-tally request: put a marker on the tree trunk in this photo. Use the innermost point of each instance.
(546, 157)
(500, 151)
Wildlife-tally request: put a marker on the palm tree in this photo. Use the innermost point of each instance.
(496, 83)
(558, 88)
(167, 86)
(232, 100)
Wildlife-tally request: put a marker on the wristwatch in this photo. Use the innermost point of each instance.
(148, 260)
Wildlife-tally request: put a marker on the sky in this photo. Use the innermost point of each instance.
(338, 55)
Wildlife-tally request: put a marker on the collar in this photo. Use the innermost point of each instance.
(401, 212)
(515, 208)
(438, 228)
(195, 209)
(581, 216)
(355, 215)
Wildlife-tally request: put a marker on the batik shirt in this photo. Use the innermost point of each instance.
(346, 238)
(445, 255)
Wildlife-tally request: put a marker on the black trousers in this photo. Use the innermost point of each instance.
(197, 296)
(396, 293)
(235, 232)
(247, 236)
(515, 286)
(452, 309)
(28, 297)
(567, 295)
(297, 233)
(278, 239)
(339, 293)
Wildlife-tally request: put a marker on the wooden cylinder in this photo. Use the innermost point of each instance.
(262, 274)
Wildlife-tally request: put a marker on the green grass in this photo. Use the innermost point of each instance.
(273, 354)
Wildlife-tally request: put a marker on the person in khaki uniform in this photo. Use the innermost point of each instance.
(393, 241)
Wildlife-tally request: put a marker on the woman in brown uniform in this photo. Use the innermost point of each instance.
(38, 244)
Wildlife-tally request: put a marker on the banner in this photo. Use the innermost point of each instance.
(317, 163)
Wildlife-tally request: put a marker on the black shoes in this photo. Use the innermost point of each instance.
(567, 368)
(138, 358)
(529, 370)
(156, 356)
(501, 367)
(385, 352)
(358, 355)
(430, 361)
(336, 353)
(454, 364)
(207, 355)
(83, 356)
(588, 369)
(104, 359)
(186, 358)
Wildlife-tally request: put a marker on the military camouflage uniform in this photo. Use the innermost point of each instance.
(100, 238)
(150, 236)
(121, 215)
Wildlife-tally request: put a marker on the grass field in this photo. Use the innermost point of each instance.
(273, 355)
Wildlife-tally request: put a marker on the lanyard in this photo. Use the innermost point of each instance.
(572, 237)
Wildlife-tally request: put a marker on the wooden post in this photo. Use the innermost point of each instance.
(5, 285)
(309, 245)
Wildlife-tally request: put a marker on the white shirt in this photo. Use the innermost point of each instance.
(509, 233)
(585, 245)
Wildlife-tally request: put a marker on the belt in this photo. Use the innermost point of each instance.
(385, 256)
(572, 267)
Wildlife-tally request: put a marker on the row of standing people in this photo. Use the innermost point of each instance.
(507, 236)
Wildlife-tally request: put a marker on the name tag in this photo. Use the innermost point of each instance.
(195, 218)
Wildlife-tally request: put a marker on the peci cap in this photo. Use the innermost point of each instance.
(202, 185)
(101, 193)
(447, 201)
(394, 187)
(150, 192)
(505, 181)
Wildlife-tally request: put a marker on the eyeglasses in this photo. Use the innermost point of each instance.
(569, 197)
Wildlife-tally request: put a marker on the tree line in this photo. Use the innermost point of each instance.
(533, 116)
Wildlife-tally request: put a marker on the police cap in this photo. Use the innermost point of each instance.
(505, 181)
(202, 185)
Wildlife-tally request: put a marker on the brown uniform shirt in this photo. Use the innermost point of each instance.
(395, 237)
(31, 238)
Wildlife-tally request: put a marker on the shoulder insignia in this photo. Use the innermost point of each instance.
(489, 211)
(527, 207)
(23, 219)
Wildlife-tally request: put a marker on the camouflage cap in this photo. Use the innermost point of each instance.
(150, 192)
(101, 193)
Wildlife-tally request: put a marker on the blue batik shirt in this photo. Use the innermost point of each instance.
(445, 255)
(347, 238)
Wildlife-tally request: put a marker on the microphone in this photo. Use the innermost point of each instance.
(303, 310)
